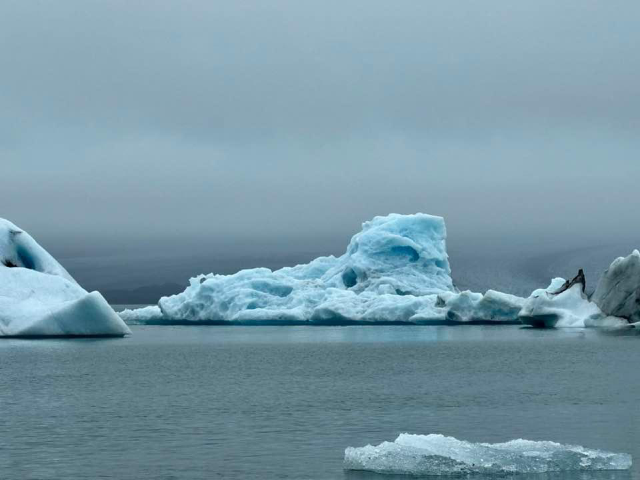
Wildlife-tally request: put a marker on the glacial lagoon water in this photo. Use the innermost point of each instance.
(284, 402)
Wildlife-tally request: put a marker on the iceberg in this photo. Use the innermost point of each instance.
(564, 303)
(618, 291)
(38, 297)
(396, 270)
(570, 307)
(440, 455)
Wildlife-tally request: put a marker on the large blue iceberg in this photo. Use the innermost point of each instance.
(38, 297)
(396, 270)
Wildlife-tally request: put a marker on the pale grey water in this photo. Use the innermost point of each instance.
(284, 402)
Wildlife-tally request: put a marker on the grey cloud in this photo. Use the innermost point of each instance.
(138, 125)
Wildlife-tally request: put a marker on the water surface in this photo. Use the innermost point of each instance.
(284, 402)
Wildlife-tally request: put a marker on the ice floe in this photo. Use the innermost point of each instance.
(440, 455)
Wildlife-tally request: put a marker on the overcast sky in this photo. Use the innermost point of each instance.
(160, 124)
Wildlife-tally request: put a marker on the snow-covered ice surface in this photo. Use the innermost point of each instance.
(618, 291)
(38, 297)
(571, 308)
(440, 455)
(396, 270)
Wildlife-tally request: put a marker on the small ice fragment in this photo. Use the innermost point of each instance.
(440, 455)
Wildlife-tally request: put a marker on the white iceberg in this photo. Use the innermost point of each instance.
(569, 308)
(38, 297)
(396, 270)
(440, 455)
(565, 304)
(618, 291)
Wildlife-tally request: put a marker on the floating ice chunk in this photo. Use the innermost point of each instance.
(392, 257)
(570, 308)
(440, 455)
(618, 291)
(493, 306)
(38, 297)
(396, 270)
(19, 249)
(143, 315)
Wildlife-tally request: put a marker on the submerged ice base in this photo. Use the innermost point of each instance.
(396, 270)
(440, 455)
(39, 298)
